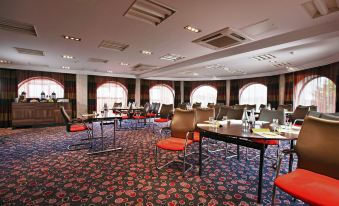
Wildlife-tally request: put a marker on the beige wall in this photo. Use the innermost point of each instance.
(81, 88)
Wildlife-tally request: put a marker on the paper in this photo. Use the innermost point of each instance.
(267, 134)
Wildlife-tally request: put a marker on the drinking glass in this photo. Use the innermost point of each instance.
(224, 118)
(210, 120)
(275, 124)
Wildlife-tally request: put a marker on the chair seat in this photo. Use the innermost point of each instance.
(78, 128)
(151, 115)
(161, 120)
(139, 117)
(125, 117)
(267, 142)
(173, 144)
(310, 187)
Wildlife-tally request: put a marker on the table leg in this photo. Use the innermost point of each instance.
(238, 152)
(200, 155)
(261, 168)
(102, 134)
(290, 164)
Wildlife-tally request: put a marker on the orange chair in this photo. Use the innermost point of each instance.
(316, 179)
(76, 125)
(181, 128)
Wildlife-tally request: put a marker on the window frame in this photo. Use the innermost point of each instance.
(203, 85)
(164, 85)
(112, 82)
(40, 78)
(243, 88)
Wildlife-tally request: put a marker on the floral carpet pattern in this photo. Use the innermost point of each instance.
(37, 169)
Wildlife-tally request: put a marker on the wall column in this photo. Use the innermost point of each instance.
(181, 91)
(81, 94)
(228, 92)
(137, 92)
(281, 89)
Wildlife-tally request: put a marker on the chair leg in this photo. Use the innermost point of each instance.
(274, 194)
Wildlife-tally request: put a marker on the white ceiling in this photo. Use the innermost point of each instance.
(313, 41)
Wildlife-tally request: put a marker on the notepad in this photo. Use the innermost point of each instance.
(267, 133)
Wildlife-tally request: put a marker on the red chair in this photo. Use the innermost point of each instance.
(181, 128)
(74, 126)
(316, 179)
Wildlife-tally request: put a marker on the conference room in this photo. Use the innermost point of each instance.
(160, 102)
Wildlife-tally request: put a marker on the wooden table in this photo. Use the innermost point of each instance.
(234, 133)
(107, 116)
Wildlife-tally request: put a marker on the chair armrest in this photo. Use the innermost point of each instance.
(298, 120)
(283, 154)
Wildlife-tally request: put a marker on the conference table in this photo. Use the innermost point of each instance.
(104, 118)
(232, 132)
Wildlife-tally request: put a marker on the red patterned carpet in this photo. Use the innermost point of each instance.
(36, 169)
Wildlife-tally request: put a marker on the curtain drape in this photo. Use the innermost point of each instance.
(8, 92)
(234, 92)
(273, 91)
(289, 86)
(177, 93)
(70, 91)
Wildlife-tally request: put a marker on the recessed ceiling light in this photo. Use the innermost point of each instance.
(263, 57)
(192, 29)
(71, 38)
(124, 64)
(3, 61)
(109, 71)
(146, 52)
(195, 74)
(67, 57)
(292, 69)
(66, 67)
(172, 57)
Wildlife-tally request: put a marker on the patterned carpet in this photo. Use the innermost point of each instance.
(36, 169)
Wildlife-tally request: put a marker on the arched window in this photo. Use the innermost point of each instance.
(253, 93)
(111, 93)
(34, 86)
(161, 93)
(319, 91)
(204, 94)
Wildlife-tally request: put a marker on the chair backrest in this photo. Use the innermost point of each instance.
(251, 106)
(182, 106)
(317, 146)
(235, 113)
(196, 105)
(165, 110)
(269, 115)
(147, 107)
(289, 107)
(203, 114)
(238, 106)
(300, 112)
(117, 104)
(328, 117)
(210, 105)
(314, 114)
(65, 115)
(223, 112)
(262, 106)
(155, 107)
(313, 108)
(183, 121)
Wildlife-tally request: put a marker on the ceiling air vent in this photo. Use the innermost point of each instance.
(29, 51)
(222, 39)
(96, 60)
(113, 45)
(19, 27)
(143, 67)
(149, 11)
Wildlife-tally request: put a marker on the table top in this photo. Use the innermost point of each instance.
(234, 128)
(108, 115)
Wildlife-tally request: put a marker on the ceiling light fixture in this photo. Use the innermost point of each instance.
(264, 57)
(71, 38)
(195, 74)
(124, 64)
(67, 57)
(66, 67)
(192, 29)
(292, 69)
(109, 71)
(146, 52)
(3, 61)
(172, 57)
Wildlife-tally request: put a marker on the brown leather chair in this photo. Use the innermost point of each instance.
(182, 106)
(196, 105)
(182, 127)
(238, 106)
(329, 117)
(299, 113)
(269, 115)
(210, 105)
(316, 179)
(201, 115)
(288, 107)
(74, 126)
(251, 106)
(235, 114)
(262, 106)
(223, 112)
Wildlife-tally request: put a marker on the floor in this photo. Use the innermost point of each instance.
(36, 169)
